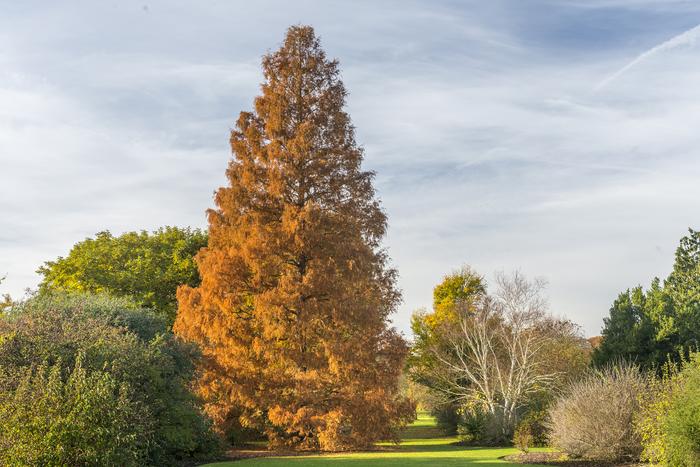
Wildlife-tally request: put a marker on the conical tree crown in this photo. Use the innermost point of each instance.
(292, 313)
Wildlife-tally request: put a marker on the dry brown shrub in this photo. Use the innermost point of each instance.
(594, 417)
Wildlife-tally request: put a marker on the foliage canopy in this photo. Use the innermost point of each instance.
(147, 267)
(663, 322)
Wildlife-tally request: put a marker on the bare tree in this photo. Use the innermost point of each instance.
(494, 353)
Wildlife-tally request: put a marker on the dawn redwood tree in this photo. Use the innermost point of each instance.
(293, 310)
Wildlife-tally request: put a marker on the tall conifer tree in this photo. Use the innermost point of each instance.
(293, 310)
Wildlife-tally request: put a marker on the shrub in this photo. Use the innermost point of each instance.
(655, 404)
(532, 430)
(77, 418)
(669, 423)
(594, 417)
(479, 426)
(447, 417)
(535, 421)
(522, 438)
(472, 425)
(131, 346)
(683, 423)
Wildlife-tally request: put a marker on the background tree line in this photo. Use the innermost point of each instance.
(496, 367)
(490, 360)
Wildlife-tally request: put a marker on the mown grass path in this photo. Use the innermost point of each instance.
(423, 445)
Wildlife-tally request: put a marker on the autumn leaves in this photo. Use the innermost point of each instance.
(292, 312)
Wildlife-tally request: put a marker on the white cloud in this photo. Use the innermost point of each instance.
(685, 39)
(490, 146)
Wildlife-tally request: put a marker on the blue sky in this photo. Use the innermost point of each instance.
(557, 137)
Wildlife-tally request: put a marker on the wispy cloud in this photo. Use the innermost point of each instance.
(489, 145)
(687, 38)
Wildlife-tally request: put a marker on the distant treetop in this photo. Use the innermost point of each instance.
(147, 267)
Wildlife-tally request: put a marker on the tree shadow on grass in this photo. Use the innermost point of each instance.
(436, 455)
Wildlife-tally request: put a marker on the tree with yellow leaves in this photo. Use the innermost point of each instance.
(292, 314)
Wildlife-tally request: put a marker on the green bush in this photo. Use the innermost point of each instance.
(523, 438)
(131, 346)
(472, 423)
(594, 418)
(683, 423)
(479, 426)
(535, 422)
(447, 417)
(77, 418)
(655, 404)
(670, 420)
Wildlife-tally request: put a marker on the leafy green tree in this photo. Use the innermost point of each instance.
(463, 284)
(147, 267)
(650, 327)
(459, 286)
(101, 334)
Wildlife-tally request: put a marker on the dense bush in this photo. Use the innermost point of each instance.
(74, 417)
(594, 417)
(137, 362)
(472, 425)
(478, 426)
(522, 437)
(683, 423)
(535, 423)
(655, 403)
(447, 417)
(669, 423)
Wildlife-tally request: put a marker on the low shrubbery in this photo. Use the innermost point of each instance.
(683, 420)
(60, 416)
(621, 414)
(522, 438)
(473, 425)
(95, 379)
(654, 407)
(595, 417)
(669, 422)
(532, 430)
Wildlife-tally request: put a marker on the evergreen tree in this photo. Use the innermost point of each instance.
(683, 286)
(662, 323)
(293, 310)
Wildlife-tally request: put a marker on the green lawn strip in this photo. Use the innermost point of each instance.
(426, 455)
(423, 444)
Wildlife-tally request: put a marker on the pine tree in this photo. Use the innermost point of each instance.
(292, 314)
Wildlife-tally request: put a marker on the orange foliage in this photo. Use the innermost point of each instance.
(292, 312)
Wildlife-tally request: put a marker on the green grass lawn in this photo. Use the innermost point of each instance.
(423, 444)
